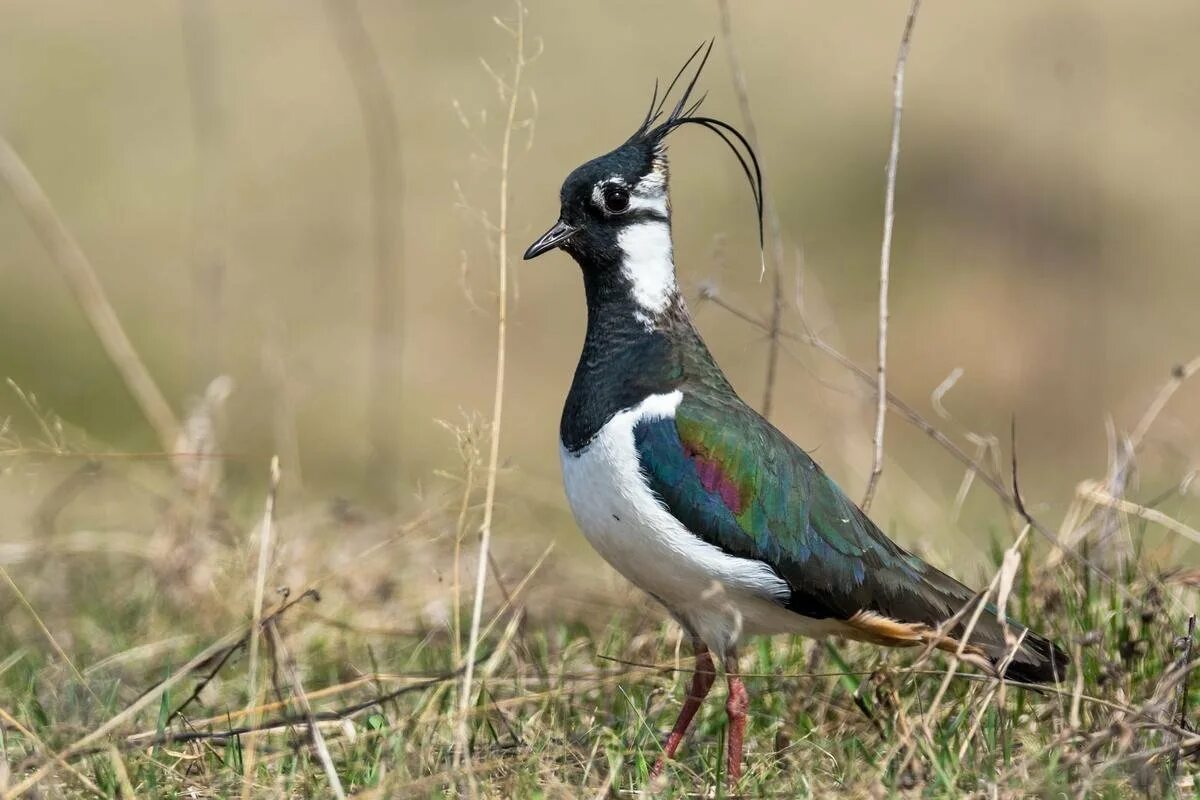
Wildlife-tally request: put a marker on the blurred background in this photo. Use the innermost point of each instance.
(214, 162)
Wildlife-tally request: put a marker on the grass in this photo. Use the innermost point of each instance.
(569, 704)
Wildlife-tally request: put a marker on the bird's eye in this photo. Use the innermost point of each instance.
(616, 198)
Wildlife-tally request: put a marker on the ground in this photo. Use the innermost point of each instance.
(570, 698)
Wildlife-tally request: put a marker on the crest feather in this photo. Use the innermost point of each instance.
(654, 132)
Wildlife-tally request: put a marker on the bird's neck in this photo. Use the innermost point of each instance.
(646, 270)
(640, 340)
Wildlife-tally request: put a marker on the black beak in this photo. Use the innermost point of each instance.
(551, 239)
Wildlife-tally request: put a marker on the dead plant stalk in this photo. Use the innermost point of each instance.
(461, 750)
(266, 529)
(83, 281)
(885, 255)
(314, 730)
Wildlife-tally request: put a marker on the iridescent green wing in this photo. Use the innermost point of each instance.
(738, 483)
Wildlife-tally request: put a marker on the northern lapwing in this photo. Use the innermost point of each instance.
(691, 494)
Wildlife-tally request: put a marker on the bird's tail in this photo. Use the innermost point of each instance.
(1035, 659)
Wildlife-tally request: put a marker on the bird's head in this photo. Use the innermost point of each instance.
(615, 214)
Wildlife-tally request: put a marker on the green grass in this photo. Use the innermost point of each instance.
(567, 707)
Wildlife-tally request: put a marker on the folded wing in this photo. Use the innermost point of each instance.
(737, 482)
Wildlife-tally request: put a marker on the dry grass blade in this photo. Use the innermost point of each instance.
(118, 765)
(885, 255)
(265, 531)
(1092, 491)
(462, 748)
(293, 677)
(1179, 375)
(150, 738)
(81, 276)
(1108, 496)
(1185, 662)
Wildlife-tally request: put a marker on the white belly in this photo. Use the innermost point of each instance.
(718, 597)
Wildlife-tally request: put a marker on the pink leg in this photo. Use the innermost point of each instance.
(735, 706)
(702, 681)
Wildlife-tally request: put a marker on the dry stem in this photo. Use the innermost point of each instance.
(264, 557)
(925, 426)
(314, 730)
(885, 255)
(81, 276)
(462, 750)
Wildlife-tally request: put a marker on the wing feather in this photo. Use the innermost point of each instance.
(738, 483)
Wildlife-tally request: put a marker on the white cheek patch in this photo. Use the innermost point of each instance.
(656, 203)
(651, 193)
(649, 266)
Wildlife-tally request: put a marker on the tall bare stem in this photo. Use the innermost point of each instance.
(462, 749)
(885, 255)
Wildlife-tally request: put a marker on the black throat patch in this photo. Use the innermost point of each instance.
(623, 361)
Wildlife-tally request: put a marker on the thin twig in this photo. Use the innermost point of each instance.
(118, 765)
(1184, 661)
(81, 276)
(913, 417)
(885, 255)
(1125, 451)
(382, 130)
(1179, 375)
(314, 731)
(148, 739)
(742, 91)
(265, 530)
(219, 661)
(1097, 494)
(462, 746)
(460, 532)
(148, 736)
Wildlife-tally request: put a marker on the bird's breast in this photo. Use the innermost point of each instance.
(631, 528)
(613, 505)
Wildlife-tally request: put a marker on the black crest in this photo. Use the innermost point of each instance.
(655, 128)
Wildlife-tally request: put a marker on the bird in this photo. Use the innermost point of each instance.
(690, 493)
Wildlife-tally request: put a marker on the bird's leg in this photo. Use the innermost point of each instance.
(735, 706)
(702, 681)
